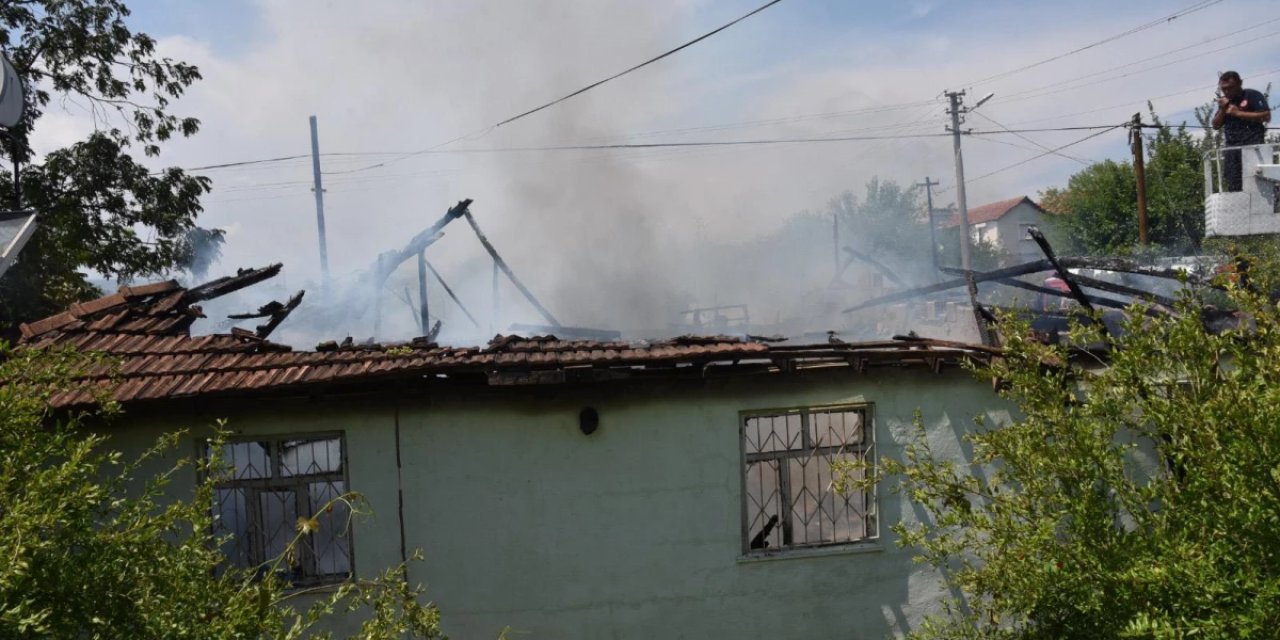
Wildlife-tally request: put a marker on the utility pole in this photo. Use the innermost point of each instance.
(933, 237)
(319, 189)
(957, 112)
(1139, 172)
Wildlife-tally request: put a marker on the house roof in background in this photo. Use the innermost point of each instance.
(991, 212)
(147, 332)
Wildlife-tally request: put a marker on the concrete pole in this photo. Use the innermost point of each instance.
(956, 110)
(928, 185)
(319, 190)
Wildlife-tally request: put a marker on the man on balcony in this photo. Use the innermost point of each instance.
(1242, 116)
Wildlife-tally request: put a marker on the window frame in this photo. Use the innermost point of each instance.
(867, 448)
(298, 484)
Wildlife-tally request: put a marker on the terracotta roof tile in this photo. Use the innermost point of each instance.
(990, 212)
(146, 330)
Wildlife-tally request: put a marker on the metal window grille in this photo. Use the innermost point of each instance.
(788, 496)
(268, 488)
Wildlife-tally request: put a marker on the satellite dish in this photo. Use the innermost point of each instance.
(11, 102)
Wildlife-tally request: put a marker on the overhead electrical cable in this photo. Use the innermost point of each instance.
(1038, 156)
(1043, 147)
(1203, 4)
(1160, 56)
(641, 65)
(1131, 103)
(580, 91)
(1057, 88)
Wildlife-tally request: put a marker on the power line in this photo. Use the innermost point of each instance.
(578, 91)
(1049, 90)
(1109, 70)
(1130, 104)
(992, 121)
(749, 142)
(1204, 4)
(1041, 155)
(779, 120)
(641, 65)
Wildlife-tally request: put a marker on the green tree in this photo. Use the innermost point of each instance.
(1099, 206)
(1097, 210)
(888, 222)
(100, 209)
(87, 554)
(1132, 496)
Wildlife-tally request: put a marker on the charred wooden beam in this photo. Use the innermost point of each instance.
(262, 312)
(982, 318)
(1101, 301)
(229, 284)
(568, 333)
(950, 344)
(1121, 265)
(424, 316)
(280, 314)
(388, 262)
(407, 299)
(1067, 277)
(502, 264)
(1007, 272)
(879, 266)
(452, 295)
(1103, 285)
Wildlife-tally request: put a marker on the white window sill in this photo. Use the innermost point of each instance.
(870, 546)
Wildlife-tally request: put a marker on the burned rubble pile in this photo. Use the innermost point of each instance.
(1050, 318)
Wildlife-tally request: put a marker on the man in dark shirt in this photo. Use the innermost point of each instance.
(1242, 116)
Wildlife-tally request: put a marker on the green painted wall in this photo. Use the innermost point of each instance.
(632, 532)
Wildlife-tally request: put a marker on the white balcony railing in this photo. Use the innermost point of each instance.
(1248, 207)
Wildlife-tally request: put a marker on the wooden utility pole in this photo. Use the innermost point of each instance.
(933, 237)
(1140, 173)
(956, 111)
(319, 189)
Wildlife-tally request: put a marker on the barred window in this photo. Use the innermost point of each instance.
(275, 487)
(788, 498)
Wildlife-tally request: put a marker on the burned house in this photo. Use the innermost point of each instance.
(566, 489)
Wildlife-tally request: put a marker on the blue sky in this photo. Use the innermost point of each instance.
(393, 75)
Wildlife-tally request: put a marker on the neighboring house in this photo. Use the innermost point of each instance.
(1004, 226)
(565, 489)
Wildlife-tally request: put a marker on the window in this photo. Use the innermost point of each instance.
(788, 498)
(272, 487)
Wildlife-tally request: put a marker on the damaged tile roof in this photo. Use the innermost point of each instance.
(146, 332)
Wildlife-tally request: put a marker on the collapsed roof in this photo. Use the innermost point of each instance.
(146, 332)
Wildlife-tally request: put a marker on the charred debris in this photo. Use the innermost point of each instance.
(1063, 296)
(1062, 289)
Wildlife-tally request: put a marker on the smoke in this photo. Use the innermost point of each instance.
(623, 239)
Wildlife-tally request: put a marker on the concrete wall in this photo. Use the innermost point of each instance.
(1008, 234)
(1012, 237)
(632, 532)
